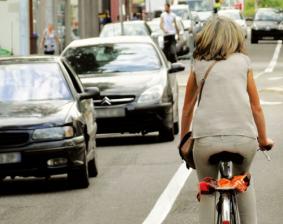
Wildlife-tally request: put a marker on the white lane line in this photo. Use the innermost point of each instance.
(273, 61)
(167, 199)
(270, 103)
(275, 78)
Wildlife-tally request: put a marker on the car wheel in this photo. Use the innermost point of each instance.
(167, 133)
(79, 178)
(92, 169)
(176, 124)
(176, 128)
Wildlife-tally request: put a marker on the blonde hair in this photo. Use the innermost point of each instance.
(218, 39)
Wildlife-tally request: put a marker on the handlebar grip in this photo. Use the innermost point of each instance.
(266, 147)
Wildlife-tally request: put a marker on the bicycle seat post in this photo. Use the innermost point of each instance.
(226, 169)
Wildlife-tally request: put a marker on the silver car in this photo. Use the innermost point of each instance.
(138, 88)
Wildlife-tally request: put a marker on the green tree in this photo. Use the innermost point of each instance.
(250, 5)
(270, 3)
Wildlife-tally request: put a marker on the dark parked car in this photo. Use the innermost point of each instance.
(47, 120)
(267, 25)
(137, 91)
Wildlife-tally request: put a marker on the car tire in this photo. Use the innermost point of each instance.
(79, 177)
(176, 115)
(167, 133)
(176, 128)
(92, 169)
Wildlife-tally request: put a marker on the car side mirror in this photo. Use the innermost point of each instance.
(90, 92)
(176, 67)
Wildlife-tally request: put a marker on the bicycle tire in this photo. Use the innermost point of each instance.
(227, 209)
(235, 215)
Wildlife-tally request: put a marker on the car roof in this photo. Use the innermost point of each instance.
(127, 22)
(110, 40)
(179, 6)
(33, 58)
(266, 9)
(229, 10)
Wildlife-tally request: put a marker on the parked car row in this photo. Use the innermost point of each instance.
(52, 107)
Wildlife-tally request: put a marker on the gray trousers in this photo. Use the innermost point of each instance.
(207, 146)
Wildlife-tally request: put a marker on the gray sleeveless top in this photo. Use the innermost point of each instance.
(225, 107)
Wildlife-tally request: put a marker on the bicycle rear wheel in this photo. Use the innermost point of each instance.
(227, 208)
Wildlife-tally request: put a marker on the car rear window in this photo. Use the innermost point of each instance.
(113, 58)
(30, 82)
(230, 14)
(134, 29)
(267, 15)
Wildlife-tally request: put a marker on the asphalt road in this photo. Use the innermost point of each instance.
(134, 171)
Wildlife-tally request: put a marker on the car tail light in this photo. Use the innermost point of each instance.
(226, 222)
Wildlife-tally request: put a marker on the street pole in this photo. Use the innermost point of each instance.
(68, 21)
(121, 16)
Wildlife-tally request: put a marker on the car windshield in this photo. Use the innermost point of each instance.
(200, 5)
(113, 58)
(231, 14)
(130, 29)
(267, 16)
(30, 82)
(183, 13)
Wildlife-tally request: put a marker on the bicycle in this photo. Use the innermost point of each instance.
(228, 186)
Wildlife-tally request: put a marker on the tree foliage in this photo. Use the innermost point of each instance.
(270, 3)
(251, 4)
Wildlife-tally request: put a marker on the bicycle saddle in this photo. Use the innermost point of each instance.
(225, 157)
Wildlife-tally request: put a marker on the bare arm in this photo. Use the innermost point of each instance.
(176, 27)
(189, 104)
(162, 25)
(257, 111)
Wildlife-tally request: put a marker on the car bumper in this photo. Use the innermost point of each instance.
(267, 34)
(34, 158)
(137, 119)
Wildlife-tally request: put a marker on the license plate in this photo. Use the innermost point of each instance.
(13, 157)
(110, 112)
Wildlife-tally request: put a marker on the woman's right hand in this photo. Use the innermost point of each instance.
(265, 144)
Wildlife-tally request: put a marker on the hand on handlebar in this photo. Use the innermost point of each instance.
(265, 145)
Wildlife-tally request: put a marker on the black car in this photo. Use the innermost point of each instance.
(267, 25)
(137, 91)
(47, 120)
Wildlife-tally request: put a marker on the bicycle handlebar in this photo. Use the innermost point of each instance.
(265, 154)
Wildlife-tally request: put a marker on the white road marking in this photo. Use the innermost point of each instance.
(167, 199)
(275, 78)
(270, 103)
(273, 61)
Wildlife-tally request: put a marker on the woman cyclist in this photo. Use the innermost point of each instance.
(229, 116)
